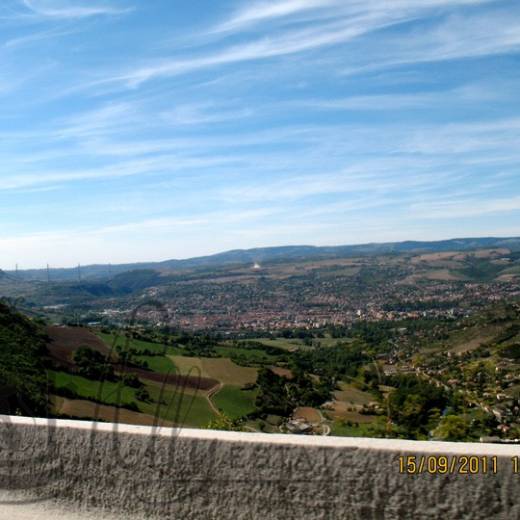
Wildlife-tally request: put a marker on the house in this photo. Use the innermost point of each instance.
(299, 426)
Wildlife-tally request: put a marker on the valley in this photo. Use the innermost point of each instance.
(415, 344)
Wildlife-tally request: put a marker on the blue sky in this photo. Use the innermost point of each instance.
(145, 130)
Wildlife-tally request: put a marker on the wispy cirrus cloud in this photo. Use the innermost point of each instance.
(70, 9)
(34, 37)
(328, 120)
(260, 12)
(289, 43)
(142, 166)
(288, 11)
(470, 93)
(457, 37)
(334, 23)
(203, 114)
(465, 207)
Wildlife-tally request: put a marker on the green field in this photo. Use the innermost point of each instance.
(342, 429)
(108, 393)
(350, 394)
(235, 402)
(185, 410)
(294, 343)
(247, 355)
(187, 365)
(282, 343)
(221, 369)
(189, 409)
(137, 344)
(161, 364)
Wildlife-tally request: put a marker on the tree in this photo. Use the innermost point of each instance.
(415, 404)
(22, 374)
(131, 380)
(273, 396)
(142, 394)
(93, 365)
(279, 395)
(223, 422)
(452, 428)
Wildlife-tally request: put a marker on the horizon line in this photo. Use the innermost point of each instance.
(47, 266)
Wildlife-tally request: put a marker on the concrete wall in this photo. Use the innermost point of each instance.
(138, 472)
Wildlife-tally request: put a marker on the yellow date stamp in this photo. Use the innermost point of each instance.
(447, 464)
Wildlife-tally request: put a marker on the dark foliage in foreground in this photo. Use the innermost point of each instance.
(22, 375)
(279, 395)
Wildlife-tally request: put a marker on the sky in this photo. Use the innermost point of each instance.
(139, 130)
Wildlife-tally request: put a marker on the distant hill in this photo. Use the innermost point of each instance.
(272, 254)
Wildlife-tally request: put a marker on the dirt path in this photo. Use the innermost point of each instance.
(323, 423)
(211, 393)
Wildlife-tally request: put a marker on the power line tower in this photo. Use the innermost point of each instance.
(79, 272)
(48, 274)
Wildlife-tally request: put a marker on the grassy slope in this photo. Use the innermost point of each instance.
(222, 369)
(235, 402)
(343, 430)
(120, 340)
(81, 408)
(248, 355)
(161, 364)
(109, 392)
(189, 409)
(286, 344)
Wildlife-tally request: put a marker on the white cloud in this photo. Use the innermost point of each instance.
(292, 43)
(458, 37)
(287, 10)
(65, 9)
(466, 208)
(470, 93)
(273, 137)
(141, 166)
(203, 113)
(259, 12)
(377, 176)
(106, 119)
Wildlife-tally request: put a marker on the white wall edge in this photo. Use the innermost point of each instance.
(395, 445)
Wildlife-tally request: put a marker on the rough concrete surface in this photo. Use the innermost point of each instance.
(45, 511)
(82, 470)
